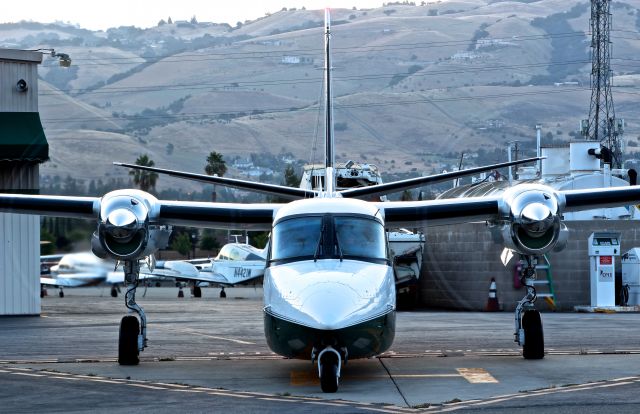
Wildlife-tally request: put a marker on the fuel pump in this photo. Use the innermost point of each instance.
(603, 247)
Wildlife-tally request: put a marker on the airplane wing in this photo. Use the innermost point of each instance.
(181, 213)
(439, 212)
(290, 193)
(463, 210)
(228, 273)
(231, 216)
(78, 280)
(58, 206)
(396, 186)
(577, 200)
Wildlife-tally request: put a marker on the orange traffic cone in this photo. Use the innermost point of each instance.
(492, 303)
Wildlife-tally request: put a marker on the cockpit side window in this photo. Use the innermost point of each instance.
(296, 238)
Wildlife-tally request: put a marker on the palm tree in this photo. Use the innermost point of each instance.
(215, 164)
(146, 180)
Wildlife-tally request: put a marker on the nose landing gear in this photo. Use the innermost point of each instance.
(329, 367)
(133, 332)
(529, 333)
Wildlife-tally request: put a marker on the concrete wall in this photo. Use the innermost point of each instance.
(460, 261)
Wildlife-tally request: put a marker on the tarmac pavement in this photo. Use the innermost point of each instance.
(210, 354)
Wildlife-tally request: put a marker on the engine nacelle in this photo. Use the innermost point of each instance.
(126, 229)
(532, 220)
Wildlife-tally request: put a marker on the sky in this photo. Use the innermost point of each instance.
(146, 13)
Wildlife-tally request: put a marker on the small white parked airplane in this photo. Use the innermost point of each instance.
(236, 263)
(329, 291)
(85, 269)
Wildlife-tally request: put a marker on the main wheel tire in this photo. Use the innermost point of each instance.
(197, 292)
(223, 294)
(114, 292)
(533, 335)
(61, 294)
(329, 374)
(128, 353)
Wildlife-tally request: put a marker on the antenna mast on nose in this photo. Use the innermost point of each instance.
(329, 143)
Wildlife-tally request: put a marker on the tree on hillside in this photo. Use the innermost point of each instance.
(146, 180)
(291, 179)
(215, 164)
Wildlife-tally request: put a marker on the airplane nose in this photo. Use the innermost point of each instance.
(330, 304)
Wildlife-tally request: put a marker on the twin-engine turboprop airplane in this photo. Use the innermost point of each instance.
(328, 286)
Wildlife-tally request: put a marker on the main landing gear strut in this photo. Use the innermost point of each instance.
(529, 333)
(133, 332)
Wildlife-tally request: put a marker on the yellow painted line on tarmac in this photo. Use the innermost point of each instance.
(472, 375)
(477, 375)
(302, 378)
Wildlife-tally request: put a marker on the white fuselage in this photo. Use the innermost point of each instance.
(329, 294)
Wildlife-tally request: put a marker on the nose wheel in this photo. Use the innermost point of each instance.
(533, 347)
(329, 366)
(128, 353)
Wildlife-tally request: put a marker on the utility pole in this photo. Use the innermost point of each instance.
(602, 125)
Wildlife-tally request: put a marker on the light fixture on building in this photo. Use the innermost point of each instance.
(63, 58)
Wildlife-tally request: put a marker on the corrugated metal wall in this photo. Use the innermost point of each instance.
(10, 99)
(19, 264)
(19, 234)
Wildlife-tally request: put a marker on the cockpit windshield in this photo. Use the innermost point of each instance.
(328, 237)
(360, 237)
(296, 238)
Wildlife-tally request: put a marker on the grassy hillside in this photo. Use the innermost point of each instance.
(412, 84)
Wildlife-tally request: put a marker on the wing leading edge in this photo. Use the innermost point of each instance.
(181, 213)
(439, 212)
(290, 193)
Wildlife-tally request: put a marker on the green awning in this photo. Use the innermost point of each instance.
(22, 137)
